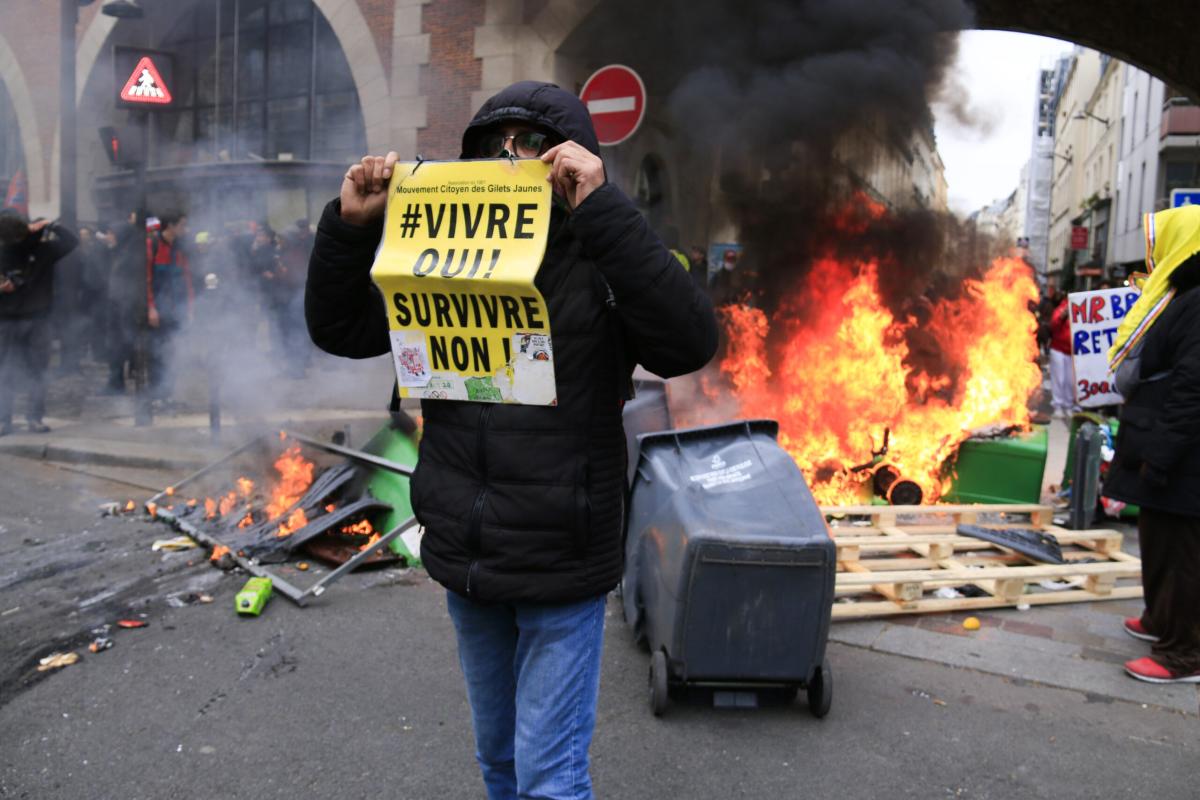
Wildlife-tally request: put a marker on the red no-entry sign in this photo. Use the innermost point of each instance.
(616, 98)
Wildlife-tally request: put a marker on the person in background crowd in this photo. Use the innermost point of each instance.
(1156, 358)
(733, 282)
(272, 290)
(200, 254)
(170, 294)
(699, 266)
(670, 239)
(94, 300)
(68, 306)
(126, 294)
(1045, 310)
(288, 311)
(1062, 371)
(29, 252)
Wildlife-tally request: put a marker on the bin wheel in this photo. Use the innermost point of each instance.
(820, 690)
(658, 682)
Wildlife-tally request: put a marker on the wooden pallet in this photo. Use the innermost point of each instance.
(889, 567)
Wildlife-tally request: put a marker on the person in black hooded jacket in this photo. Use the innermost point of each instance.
(1157, 466)
(29, 255)
(523, 506)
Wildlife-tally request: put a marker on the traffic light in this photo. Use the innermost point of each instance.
(110, 138)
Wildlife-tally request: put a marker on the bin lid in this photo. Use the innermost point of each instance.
(732, 477)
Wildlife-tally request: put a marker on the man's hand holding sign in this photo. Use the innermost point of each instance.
(574, 172)
(365, 189)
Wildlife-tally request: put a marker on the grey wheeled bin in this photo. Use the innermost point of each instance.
(729, 568)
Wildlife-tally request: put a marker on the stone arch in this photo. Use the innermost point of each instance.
(31, 145)
(354, 35)
(1155, 36)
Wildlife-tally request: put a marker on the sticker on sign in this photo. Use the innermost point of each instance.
(616, 99)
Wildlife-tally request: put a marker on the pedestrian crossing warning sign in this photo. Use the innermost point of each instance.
(145, 85)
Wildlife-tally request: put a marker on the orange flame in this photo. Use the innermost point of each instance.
(246, 521)
(837, 369)
(227, 503)
(217, 552)
(361, 528)
(295, 521)
(210, 508)
(295, 476)
(329, 509)
(374, 538)
(130, 506)
(245, 486)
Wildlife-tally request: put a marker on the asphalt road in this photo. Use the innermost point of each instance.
(359, 696)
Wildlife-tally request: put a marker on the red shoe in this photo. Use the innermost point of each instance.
(1149, 670)
(1135, 628)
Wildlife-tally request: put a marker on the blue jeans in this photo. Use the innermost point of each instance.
(533, 676)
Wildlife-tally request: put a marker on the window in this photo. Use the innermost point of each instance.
(1131, 215)
(1135, 115)
(1141, 193)
(11, 154)
(258, 79)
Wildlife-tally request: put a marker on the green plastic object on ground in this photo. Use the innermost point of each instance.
(395, 445)
(1001, 470)
(253, 596)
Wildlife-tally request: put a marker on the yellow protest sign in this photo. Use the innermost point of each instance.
(462, 243)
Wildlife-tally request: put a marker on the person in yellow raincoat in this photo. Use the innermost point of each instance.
(1156, 357)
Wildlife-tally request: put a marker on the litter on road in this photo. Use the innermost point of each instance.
(172, 545)
(57, 661)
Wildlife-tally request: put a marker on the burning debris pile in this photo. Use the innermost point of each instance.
(873, 326)
(324, 509)
(874, 393)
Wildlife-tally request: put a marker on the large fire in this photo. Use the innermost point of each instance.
(848, 378)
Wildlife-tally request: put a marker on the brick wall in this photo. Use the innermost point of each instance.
(452, 74)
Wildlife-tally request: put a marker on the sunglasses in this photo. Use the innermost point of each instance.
(527, 144)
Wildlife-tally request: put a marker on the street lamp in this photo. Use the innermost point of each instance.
(1082, 115)
(122, 9)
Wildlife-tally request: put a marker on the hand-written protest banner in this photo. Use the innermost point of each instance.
(1095, 317)
(461, 247)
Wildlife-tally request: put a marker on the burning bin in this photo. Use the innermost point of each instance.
(729, 568)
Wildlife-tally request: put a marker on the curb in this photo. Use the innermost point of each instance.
(107, 453)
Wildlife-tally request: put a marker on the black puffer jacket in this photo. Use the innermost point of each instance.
(526, 502)
(1157, 461)
(31, 265)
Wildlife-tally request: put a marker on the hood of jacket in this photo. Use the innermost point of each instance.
(541, 104)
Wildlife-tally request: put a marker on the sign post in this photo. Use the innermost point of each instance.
(142, 79)
(616, 98)
(1095, 317)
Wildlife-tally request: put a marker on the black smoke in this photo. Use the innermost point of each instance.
(777, 87)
